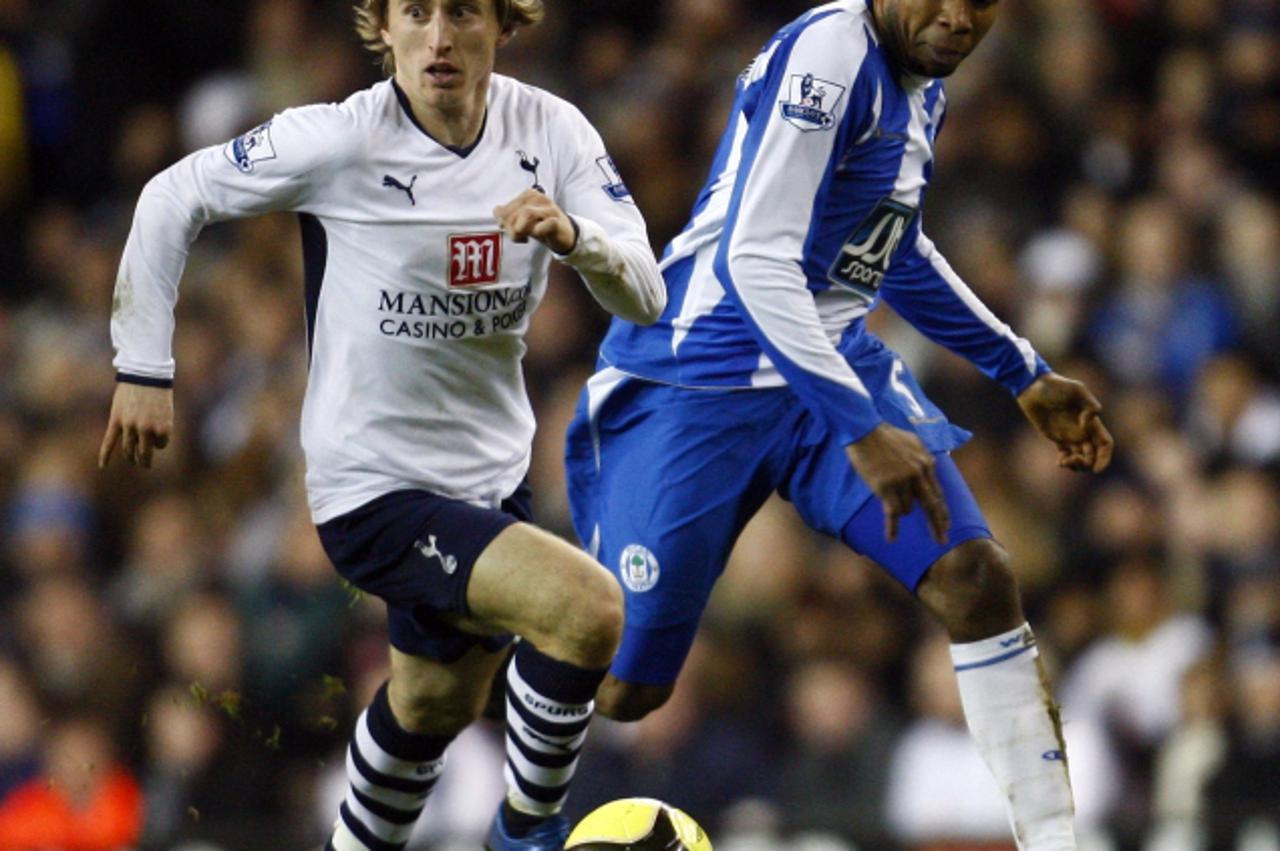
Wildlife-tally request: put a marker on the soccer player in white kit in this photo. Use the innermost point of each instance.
(431, 204)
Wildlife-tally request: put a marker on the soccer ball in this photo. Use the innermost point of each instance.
(637, 824)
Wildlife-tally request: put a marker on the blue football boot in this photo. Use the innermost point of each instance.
(548, 836)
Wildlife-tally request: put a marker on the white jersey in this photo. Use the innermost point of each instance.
(416, 304)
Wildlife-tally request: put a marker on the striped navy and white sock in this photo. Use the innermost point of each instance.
(391, 773)
(549, 706)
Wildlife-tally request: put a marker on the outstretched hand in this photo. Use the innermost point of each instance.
(901, 472)
(141, 421)
(1064, 411)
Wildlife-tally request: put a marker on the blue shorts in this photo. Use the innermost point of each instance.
(415, 550)
(662, 480)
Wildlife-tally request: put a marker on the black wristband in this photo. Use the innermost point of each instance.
(577, 235)
(144, 381)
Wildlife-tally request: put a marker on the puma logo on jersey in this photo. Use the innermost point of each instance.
(531, 166)
(429, 550)
(391, 183)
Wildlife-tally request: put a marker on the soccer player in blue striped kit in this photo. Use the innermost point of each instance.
(432, 204)
(761, 377)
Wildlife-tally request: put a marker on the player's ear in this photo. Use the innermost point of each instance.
(506, 35)
(386, 36)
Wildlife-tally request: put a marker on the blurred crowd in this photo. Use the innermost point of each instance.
(180, 667)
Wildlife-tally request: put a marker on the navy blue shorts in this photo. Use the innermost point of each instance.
(662, 480)
(415, 550)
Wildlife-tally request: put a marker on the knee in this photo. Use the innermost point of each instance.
(973, 591)
(622, 701)
(980, 566)
(590, 626)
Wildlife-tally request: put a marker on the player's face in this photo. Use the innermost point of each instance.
(444, 49)
(932, 37)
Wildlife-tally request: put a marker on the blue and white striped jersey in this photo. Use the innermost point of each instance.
(810, 216)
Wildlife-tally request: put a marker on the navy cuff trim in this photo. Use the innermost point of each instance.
(577, 237)
(144, 381)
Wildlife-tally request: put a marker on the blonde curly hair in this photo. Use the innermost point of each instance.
(371, 19)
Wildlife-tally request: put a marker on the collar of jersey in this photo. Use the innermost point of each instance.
(463, 153)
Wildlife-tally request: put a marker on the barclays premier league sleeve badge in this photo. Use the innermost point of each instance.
(811, 102)
(613, 186)
(253, 147)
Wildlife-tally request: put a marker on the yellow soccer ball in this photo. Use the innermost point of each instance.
(637, 824)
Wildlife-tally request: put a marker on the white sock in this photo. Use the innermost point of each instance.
(1014, 720)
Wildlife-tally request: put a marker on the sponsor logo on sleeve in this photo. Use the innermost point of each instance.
(474, 259)
(613, 186)
(810, 102)
(245, 152)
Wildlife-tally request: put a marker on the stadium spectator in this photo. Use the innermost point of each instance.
(834, 775)
(1189, 757)
(1128, 682)
(86, 800)
(19, 728)
(204, 779)
(1161, 324)
(1242, 799)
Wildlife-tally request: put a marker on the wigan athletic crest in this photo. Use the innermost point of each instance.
(638, 568)
(811, 102)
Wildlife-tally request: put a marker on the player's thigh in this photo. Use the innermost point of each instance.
(833, 499)
(914, 552)
(432, 697)
(534, 584)
(666, 479)
(416, 550)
